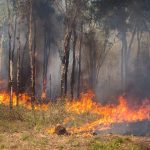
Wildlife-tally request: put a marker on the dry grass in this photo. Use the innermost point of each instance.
(32, 140)
(24, 130)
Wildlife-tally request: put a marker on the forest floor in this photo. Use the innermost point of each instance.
(17, 133)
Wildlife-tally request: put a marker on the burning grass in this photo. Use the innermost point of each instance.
(84, 119)
(78, 116)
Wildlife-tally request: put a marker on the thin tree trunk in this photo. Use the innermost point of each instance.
(1, 53)
(92, 66)
(67, 52)
(131, 42)
(138, 50)
(73, 64)
(44, 67)
(18, 65)
(65, 63)
(50, 88)
(124, 59)
(9, 61)
(129, 51)
(122, 66)
(10, 70)
(31, 56)
(34, 60)
(80, 53)
(45, 62)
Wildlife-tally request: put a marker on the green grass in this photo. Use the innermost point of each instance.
(25, 137)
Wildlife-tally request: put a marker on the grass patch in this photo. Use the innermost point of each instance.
(2, 146)
(115, 143)
(43, 141)
(37, 120)
(25, 137)
(25, 129)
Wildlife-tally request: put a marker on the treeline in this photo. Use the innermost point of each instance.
(81, 32)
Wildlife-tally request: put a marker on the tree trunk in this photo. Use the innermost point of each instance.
(73, 64)
(44, 67)
(34, 60)
(9, 61)
(31, 56)
(11, 55)
(122, 66)
(138, 51)
(124, 59)
(1, 53)
(65, 63)
(46, 60)
(18, 65)
(129, 50)
(50, 88)
(80, 53)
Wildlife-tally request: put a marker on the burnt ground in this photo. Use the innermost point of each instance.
(140, 128)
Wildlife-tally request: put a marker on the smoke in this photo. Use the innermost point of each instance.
(108, 84)
(47, 20)
(140, 82)
(140, 128)
(126, 67)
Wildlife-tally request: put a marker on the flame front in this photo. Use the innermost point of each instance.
(24, 100)
(108, 114)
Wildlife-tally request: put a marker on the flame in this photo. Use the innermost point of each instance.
(108, 114)
(24, 100)
(43, 96)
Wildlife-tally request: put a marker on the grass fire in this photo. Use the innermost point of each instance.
(74, 75)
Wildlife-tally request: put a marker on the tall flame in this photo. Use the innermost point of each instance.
(108, 114)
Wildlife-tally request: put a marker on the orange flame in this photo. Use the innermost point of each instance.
(43, 96)
(109, 114)
(24, 100)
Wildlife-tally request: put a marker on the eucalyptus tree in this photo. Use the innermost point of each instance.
(73, 12)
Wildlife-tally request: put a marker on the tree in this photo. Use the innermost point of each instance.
(123, 16)
(73, 63)
(12, 41)
(31, 53)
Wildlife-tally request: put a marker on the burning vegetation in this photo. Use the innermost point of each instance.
(106, 115)
(23, 99)
(53, 51)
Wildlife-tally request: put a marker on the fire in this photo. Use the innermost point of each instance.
(43, 96)
(108, 114)
(24, 100)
